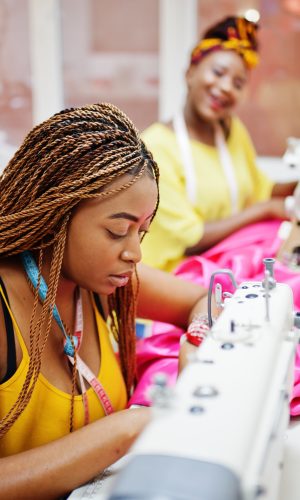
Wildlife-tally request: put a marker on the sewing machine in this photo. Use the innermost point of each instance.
(289, 231)
(289, 251)
(291, 155)
(219, 435)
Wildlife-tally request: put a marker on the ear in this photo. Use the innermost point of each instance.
(189, 74)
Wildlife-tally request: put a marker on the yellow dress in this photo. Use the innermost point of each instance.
(47, 415)
(179, 223)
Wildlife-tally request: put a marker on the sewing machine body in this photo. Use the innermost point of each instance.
(220, 435)
(291, 155)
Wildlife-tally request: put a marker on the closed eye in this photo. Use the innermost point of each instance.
(115, 236)
(218, 72)
(239, 84)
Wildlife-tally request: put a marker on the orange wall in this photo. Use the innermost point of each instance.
(110, 53)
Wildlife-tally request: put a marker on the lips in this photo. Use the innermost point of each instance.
(217, 103)
(119, 279)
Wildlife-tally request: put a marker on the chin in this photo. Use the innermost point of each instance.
(209, 115)
(99, 288)
(104, 289)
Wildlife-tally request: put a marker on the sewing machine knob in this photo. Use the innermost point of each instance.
(297, 319)
(260, 490)
(227, 346)
(160, 379)
(196, 410)
(269, 281)
(205, 391)
(160, 393)
(206, 361)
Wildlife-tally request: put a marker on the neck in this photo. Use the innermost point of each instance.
(198, 128)
(65, 292)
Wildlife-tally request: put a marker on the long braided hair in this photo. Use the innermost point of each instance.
(72, 156)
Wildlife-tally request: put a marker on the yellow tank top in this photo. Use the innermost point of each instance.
(47, 415)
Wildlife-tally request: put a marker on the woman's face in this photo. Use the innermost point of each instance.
(216, 84)
(103, 240)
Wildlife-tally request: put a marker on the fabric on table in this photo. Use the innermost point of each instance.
(243, 253)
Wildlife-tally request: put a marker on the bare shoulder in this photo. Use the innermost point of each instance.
(3, 343)
(14, 281)
(12, 275)
(3, 336)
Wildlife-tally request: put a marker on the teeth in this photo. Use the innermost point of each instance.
(218, 100)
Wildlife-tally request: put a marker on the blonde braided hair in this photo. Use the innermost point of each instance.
(70, 157)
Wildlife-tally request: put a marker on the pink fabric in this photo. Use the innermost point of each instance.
(295, 401)
(243, 253)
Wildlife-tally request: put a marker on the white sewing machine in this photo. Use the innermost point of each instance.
(291, 155)
(220, 435)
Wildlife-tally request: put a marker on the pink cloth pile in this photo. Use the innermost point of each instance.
(243, 253)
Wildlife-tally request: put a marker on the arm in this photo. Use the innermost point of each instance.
(261, 208)
(52, 470)
(216, 231)
(167, 298)
(283, 189)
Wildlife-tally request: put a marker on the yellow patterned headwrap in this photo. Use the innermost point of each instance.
(233, 33)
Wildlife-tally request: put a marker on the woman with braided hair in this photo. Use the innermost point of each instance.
(75, 202)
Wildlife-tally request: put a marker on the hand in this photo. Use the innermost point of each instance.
(274, 208)
(201, 307)
(196, 333)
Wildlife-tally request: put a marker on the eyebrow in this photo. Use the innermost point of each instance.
(126, 215)
(225, 67)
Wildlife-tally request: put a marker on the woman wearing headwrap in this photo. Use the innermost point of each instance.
(216, 207)
(210, 184)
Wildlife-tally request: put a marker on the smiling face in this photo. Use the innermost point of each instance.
(103, 241)
(215, 85)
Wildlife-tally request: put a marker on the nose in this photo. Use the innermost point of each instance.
(226, 84)
(132, 252)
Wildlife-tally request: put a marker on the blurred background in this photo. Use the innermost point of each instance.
(133, 53)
